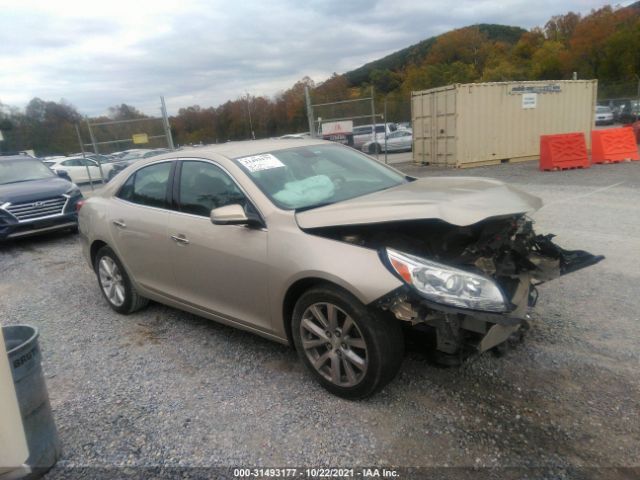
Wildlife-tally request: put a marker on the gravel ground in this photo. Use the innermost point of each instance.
(166, 388)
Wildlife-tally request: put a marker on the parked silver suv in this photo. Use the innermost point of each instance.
(364, 134)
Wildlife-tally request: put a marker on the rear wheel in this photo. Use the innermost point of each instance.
(352, 351)
(375, 148)
(115, 284)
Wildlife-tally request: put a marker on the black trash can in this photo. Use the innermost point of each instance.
(40, 430)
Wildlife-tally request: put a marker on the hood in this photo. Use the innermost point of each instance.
(456, 200)
(33, 190)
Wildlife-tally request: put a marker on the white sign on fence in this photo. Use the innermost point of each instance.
(337, 128)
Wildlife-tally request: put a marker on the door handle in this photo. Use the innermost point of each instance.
(180, 239)
(119, 223)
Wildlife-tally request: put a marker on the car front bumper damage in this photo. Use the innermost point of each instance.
(459, 331)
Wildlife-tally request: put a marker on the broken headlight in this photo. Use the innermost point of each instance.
(447, 285)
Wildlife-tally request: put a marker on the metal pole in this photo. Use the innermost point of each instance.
(385, 129)
(93, 140)
(373, 124)
(83, 155)
(165, 123)
(309, 112)
(95, 150)
(253, 135)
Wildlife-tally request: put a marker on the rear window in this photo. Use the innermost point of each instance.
(361, 130)
(148, 186)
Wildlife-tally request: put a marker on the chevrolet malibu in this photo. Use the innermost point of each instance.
(321, 247)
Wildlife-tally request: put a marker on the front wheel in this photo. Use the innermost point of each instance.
(375, 148)
(352, 352)
(115, 284)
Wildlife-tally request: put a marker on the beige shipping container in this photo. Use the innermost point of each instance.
(467, 125)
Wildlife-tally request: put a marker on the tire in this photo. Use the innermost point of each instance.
(123, 298)
(375, 148)
(357, 359)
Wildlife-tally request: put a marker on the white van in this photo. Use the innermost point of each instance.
(363, 134)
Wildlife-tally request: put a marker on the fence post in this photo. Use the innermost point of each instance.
(165, 123)
(385, 129)
(309, 112)
(83, 155)
(373, 123)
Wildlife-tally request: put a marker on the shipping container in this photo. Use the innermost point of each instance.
(466, 125)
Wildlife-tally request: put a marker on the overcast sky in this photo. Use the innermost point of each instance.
(99, 54)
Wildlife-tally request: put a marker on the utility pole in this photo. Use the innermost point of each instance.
(309, 111)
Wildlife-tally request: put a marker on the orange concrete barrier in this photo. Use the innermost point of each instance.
(563, 151)
(613, 145)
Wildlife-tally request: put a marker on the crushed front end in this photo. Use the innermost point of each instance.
(472, 285)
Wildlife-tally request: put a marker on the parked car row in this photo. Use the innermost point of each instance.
(623, 110)
(92, 167)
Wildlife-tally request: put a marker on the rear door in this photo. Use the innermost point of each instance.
(219, 268)
(138, 220)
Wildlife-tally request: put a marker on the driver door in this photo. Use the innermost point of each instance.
(218, 268)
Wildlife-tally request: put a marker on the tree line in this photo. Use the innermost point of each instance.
(602, 45)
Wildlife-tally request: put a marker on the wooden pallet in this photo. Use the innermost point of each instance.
(560, 168)
(500, 161)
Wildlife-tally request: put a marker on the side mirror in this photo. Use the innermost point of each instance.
(229, 215)
(63, 174)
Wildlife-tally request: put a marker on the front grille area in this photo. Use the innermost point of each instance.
(34, 210)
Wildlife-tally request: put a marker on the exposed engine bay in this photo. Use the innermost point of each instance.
(504, 249)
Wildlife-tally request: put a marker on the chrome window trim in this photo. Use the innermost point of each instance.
(170, 210)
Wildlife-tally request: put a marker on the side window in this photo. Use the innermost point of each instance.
(148, 186)
(203, 187)
(72, 163)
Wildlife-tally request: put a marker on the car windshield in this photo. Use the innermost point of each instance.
(308, 177)
(12, 171)
(603, 110)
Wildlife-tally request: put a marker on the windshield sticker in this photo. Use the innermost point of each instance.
(257, 163)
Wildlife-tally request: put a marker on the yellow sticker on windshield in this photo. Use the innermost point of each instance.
(257, 163)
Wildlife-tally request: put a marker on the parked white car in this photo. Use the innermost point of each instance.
(604, 116)
(77, 167)
(398, 141)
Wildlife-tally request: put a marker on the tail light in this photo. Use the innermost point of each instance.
(79, 205)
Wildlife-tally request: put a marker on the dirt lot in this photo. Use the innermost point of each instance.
(165, 388)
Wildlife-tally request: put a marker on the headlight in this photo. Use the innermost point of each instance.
(447, 285)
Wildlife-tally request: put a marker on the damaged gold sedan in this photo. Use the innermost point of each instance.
(319, 246)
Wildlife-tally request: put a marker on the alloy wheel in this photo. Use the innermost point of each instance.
(334, 344)
(111, 281)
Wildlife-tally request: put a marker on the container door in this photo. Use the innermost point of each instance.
(444, 132)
